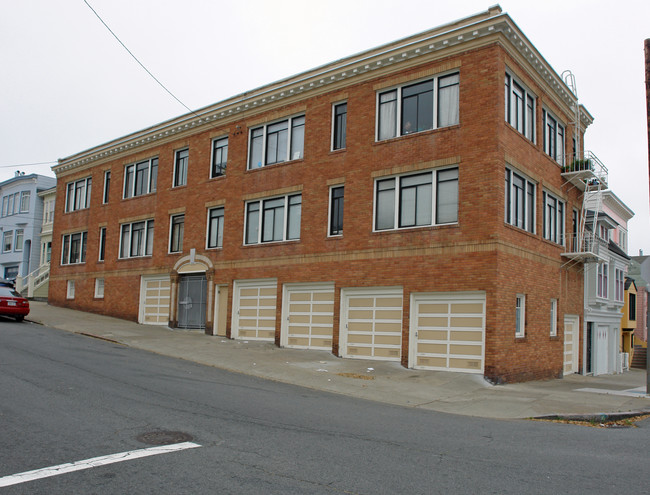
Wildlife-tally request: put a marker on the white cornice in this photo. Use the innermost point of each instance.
(434, 43)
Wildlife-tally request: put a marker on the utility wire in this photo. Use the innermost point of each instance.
(28, 164)
(136, 59)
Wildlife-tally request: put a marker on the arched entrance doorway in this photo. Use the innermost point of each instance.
(192, 289)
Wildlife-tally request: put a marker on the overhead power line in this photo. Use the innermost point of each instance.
(29, 164)
(136, 59)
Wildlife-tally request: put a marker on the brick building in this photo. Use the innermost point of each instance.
(398, 204)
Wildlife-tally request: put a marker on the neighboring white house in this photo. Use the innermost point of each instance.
(21, 218)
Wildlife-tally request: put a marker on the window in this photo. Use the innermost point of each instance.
(5, 203)
(107, 186)
(70, 289)
(413, 201)
(176, 233)
(24, 201)
(553, 317)
(215, 228)
(632, 307)
(7, 241)
(413, 108)
(277, 142)
(140, 178)
(136, 239)
(73, 249)
(336, 211)
(102, 243)
(553, 137)
(520, 316)
(553, 218)
(520, 108)
(622, 240)
(339, 125)
(219, 157)
(99, 288)
(602, 280)
(180, 167)
(20, 233)
(266, 220)
(46, 252)
(604, 233)
(619, 289)
(78, 194)
(11, 204)
(11, 272)
(520, 201)
(48, 211)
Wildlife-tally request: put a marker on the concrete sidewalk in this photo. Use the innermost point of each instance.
(389, 382)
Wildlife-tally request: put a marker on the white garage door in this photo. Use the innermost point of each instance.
(371, 323)
(307, 316)
(571, 346)
(154, 300)
(254, 309)
(447, 332)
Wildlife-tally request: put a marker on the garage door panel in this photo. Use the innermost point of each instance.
(467, 350)
(389, 315)
(433, 335)
(300, 308)
(323, 296)
(431, 362)
(321, 343)
(266, 334)
(360, 315)
(295, 341)
(360, 326)
(308, 316)
(360, 302)
(467, 336)
(360, 339)
(388, 340)
(428, 321)
(433, 308)
(389, 353)
(326, 320)
(467, 365)
(255, 303)
(323, 308)
(467, 308)
(432, 348)
(297, 319)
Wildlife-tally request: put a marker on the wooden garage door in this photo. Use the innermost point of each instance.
(447, 332)
(254, 310)
(371, 323)
(154, 300)
(308, 316)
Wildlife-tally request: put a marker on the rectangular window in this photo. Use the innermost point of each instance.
(604, 233)
(553, 317)
(180, 167)
(413, 201)
(553, 218)
(140, 178)
(336, 211)
(215, 227)
(177, 226)
(273, 220)
(632, 308)
(553, 137)
(602, 280)
(5, 203)
(520, 107)
(339, 125)
(619, 290)
(277, 142)
(102, 244)
(78, 194)
(136, 239)
(520, 201)
(18, 245)
(107, 186)
(73, 249)
(417, 107)
(219, 157)
(70, 289)
(99, 288)
(520, 316)
(24, 201)
(7, 241)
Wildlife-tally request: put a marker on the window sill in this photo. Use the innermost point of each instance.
(271, 243)
(520, 230)
(174, 188)
(416, 134)
(419, 228)
(521, 339)
(140, 196)
(553, 243)
(132, 258)
(338, 151)
(217, 177)
(274, 165)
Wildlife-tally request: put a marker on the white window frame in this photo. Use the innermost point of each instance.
(99, 288)
(333, 144)
(290, 138)
(511, 205)
(183, 162)
(172, 239)
(602, 280)
(554, 228)
(520, 316)
(619, 287)
(527, 127)
(399, 103)
(398, 190)
(622, 239)
(70, 289)
(146, 240)
(553, 322)
(152, 185)
(558, 137)
(260, 219)
(19, 240)
(7, 235)
(223, 164)
(220, 228)
(73, 202)
(330, 211)
(107, 187)
(66, 248)
(25, 197)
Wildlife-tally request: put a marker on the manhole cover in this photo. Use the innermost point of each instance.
(164, 437)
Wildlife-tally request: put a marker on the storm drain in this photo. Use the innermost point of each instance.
(164, 437)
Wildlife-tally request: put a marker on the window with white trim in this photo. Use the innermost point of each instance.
(339, 125)
(520, 201)
(215, 227)
(20, 234)
(102, 243)
(277, 142)
(418, 106)
(553, 220)
(520, 316)
(7, 241)
(73, 248)
(520, 107)
(11, 204)
(620, 284)
(24, 201)
(70, 289)
(553, 132)
(78, 194)
(602, 280)
(140, 178)
(336, 211)
(622, 239)
(107, 186)
(99, 288)
(176, 228)
(219, 157)
(553, 332)
(416, 200)
(273, 220)
(136, 239)
(181, 159)
(603, 232)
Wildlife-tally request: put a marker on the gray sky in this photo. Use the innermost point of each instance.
(67, 85)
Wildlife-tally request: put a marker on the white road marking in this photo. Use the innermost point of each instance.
(70, 467)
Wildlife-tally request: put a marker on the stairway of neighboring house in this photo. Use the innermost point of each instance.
(639, 358)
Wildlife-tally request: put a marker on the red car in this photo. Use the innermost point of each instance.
(13, 304)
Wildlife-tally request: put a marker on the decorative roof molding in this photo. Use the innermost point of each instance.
(436, 42)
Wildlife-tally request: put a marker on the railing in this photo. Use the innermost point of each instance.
(34, 280)
(586, 244)
(587, 164)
